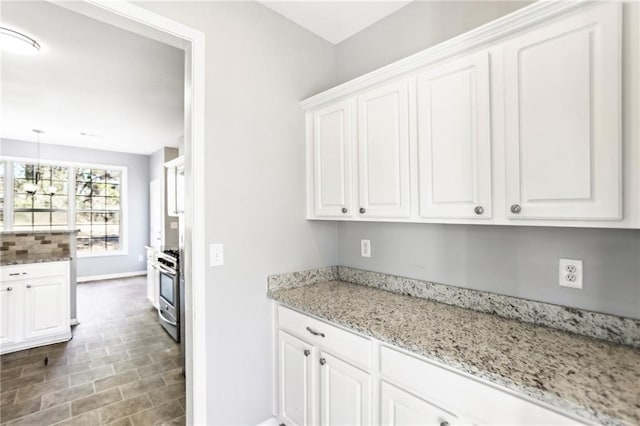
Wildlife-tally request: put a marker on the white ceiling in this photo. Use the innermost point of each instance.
(335, 21)
(90, 78)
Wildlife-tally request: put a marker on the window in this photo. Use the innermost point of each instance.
(68, 196)
(98, 209)
(48, 207)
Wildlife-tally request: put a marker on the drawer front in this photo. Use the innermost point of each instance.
(462, 394)
(34, 270)
(349, 346)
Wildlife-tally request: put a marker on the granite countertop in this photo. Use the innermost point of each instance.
(26, 260)
(28, 232)
(594, 379)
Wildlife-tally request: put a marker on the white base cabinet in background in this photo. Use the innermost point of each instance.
(330, 376)
(153, 278)
(34, 305)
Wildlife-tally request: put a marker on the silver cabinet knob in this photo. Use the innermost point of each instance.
(28, 285)
(444, 423)
(516, 208)
(307, 352)
(362, 210)
(9, 288)
(345, 210)
(478, 210)
(323, 361)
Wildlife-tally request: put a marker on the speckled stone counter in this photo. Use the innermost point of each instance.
(596, 380)
(26, 260)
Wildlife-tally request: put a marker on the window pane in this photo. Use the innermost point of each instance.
(85, 231)
(59, 218)
(98, 203)
(113, 176)
(41, 218)
(41, 201)
(84, 244)
(113, 231)
(22, 219)
(22, 201)
(83, 218)
(112, 218)
(59, 202)
(113, 243)
(113, 203)
(98, 244)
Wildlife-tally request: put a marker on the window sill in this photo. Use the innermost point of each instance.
(103, 254)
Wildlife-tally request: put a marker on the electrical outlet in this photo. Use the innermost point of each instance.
(216, 255)
(570, 273)
(173, 225)
(365, 248)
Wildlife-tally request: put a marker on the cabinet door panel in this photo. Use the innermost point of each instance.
(400, 408)
(562, 106)
(8, 313)
(295, 380)
(383, 146)
(332, 160)
(45, 304)
(345, 393)
(454, 139)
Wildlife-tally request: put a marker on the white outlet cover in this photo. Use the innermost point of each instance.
(365, 248)
(570, 273)
(173, 225)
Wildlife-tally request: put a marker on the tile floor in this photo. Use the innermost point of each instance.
(120, 368)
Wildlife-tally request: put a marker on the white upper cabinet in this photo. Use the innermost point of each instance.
(332, 160)
(563, 118)
(518, 122)
(383, 151)
(454, 139)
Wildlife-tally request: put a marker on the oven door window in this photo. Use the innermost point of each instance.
(167, 287)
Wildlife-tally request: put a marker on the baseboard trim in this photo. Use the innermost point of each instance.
(110, 276)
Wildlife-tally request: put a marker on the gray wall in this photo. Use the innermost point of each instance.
(517, 261)
(157, 171)
(413, 28)
(258, 66)
(137, 200)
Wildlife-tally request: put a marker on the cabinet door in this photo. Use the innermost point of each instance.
(383, 147)
(345, 393)
(562, 112)
(332, 160)
(295, 380)
(46, 311)
(8, 314)
(454, 139)
(400, 408)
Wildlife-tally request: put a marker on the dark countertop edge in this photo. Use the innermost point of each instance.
(549, 401)
(28, 261)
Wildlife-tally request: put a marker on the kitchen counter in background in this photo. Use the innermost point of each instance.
(34, 259)
(592, 378)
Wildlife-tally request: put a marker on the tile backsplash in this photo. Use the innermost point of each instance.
(34, 245)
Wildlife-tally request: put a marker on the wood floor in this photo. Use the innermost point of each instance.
(120, 368)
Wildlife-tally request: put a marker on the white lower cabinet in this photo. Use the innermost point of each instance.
(34, 305)
(345, 393)
(401, 408)
(294, 381)
(153, 279)
(327, 376)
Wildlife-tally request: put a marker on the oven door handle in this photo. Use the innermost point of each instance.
(164, 269)
(167, 320)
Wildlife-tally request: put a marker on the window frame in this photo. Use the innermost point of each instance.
(71, 205)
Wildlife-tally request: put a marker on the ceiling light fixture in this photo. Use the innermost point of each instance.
(14, 42)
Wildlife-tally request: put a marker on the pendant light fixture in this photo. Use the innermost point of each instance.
(12, 41)
(32, 187)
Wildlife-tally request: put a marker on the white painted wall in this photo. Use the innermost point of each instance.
(259, 65)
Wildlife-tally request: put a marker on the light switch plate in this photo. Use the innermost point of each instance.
(365, 248)
(216, 254)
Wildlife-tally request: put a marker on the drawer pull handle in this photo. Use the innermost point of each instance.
(307, 352)
(28, 285)
(323, 361)
(315, 333)
(9, 288)
(444, 423)
(13, 274)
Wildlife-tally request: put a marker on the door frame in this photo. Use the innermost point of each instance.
(195, 243)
